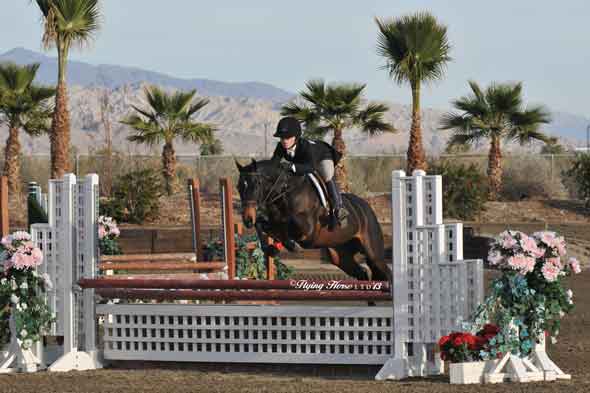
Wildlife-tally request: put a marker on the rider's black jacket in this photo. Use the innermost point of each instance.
(308, 155)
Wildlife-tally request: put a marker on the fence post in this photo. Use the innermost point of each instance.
(228, 226)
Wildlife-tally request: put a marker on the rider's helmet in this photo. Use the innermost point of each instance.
(288, 127)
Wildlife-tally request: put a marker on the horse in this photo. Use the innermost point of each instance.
(286, 207)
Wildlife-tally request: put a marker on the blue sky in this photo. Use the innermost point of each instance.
(543, 43)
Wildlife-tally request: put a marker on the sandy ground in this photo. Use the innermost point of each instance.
(572, 353)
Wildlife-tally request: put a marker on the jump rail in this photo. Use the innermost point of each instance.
(196, 283)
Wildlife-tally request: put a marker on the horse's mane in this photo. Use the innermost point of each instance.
(264, 167)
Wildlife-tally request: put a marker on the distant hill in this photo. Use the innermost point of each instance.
(241, 111)
(113, 76)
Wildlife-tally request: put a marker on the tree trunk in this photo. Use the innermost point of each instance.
(340, 171)
(11, 161)
(169, 166)
(416, 156)
(60, 125)
(495, 169)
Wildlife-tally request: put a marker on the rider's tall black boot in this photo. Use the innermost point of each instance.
(336, 203)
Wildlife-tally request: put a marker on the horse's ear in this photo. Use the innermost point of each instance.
(253, 164)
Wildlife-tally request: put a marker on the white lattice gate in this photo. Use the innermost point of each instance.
(248, 333)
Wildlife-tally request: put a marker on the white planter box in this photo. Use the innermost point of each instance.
(470, 372)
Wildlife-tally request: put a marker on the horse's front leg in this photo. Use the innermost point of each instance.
(262, 234)
(301, 228)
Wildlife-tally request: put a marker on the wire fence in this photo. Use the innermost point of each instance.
(366, 174)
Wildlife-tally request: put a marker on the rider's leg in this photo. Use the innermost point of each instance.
(326, 169)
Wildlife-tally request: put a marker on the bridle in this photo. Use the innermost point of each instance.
(277, 190)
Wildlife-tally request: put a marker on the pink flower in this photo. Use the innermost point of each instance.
(115, 231)
(101, 232)
(6, 241)
(556, 261)
(21, 235)
(575, 265)
(530, 245)
(508, 242)
(37, 256)
(546, 237)
(550, 272)
(494, 257)
(521, 263)
(559, 245)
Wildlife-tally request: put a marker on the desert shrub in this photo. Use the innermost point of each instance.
(135, 197)
(530, 177)
(579, 173)
(464, 189)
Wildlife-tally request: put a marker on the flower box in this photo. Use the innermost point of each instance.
(469, 372)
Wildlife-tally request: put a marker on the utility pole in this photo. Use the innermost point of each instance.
(265, 139)
(588, 139)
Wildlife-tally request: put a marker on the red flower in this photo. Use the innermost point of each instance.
(443, 341)
(279, 246)
(490, 329)
(458, 341)
(443, 356)
(479, 343)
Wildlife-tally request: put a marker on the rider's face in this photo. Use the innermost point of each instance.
(288, 142)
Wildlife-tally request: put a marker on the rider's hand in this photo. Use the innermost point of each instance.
(287, 166)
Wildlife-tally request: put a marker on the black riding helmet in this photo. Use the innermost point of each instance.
(288, 127)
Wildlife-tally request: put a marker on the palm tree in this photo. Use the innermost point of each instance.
(169, 116)
(495, 114)
(25, 106)
(335, 108)
(416, 49)
(211, 147)
(66, 23)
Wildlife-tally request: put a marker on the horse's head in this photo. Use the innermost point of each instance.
(250, 187)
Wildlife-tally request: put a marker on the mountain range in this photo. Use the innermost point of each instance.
(244, 112)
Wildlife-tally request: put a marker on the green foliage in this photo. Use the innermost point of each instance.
(109, 246)
(496, 112)
(552, 147)
(416, 47)
(336, 107)
(135, 197)
(211, 147)
(580, 174)
(36, 214)
(249, 264)
(68, 22)
(22, 103)
(464, 189)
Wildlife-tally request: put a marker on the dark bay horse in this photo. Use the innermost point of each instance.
(285, 206)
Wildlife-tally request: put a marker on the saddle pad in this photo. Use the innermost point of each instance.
(319, 189)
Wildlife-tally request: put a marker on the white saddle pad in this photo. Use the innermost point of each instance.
(316, 182)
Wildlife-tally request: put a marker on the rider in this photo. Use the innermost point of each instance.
(305, 156)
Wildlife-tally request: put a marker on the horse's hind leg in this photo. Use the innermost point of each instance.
(343, 257)
(376, 260)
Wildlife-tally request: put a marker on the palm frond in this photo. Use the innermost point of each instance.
(196, 106)
(195, 132)
(75, 21)
(371, 119)
(416, 47)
